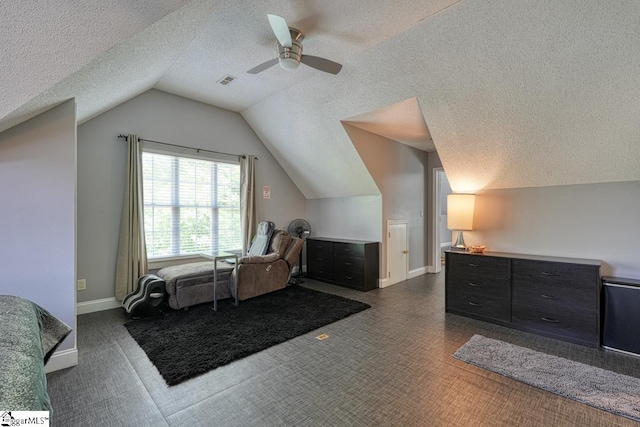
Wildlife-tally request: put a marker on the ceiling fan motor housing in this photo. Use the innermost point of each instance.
(289, 57)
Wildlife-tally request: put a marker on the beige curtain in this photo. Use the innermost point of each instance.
(132, 252)
(247, 200)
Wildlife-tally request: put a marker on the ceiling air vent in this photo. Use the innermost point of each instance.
(226, 80)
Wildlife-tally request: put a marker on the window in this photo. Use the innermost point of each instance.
(191, 205)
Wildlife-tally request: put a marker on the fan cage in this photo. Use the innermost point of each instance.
(302, 229)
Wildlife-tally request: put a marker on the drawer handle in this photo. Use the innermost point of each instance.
(475, 285)
(549, 296)
(474, 265)
(347, 250)
(546, 319)
(348, 263)
(319, 259)
(474, 304)
(544, 273)
(348, 277)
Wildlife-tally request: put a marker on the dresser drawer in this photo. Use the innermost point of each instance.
(498, 287)
(319, 258)
(347, 264)
(318, 248)
(320, 271)
(349, 279)
(551, 276)
(577, 325)
(479, 295)
(554, 296)
(479, 305)
(476, 267)
(348, 249)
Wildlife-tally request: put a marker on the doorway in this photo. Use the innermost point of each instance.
(397, 251)
(442, 235)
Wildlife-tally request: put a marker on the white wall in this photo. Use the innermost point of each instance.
(159, 116)
(358, 218)
(596, 221)
(37, 219)
(399, 172)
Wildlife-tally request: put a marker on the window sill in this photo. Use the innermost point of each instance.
(158, 263)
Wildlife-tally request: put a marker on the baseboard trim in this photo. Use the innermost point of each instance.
(417, 272)
(431, 269)
(62, 360)
(97, 305)
(383, 283)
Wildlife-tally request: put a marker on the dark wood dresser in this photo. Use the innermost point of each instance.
(551, 296)
(350, 263)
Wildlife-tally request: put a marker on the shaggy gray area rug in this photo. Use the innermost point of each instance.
(602, 389)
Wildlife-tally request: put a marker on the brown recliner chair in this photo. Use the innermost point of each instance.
(257, 275)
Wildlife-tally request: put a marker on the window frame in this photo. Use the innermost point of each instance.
(185, 152)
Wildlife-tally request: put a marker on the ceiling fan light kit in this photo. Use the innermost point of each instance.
(289, 57)
(290, 50)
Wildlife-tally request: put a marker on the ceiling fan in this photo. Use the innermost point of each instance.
(290, 50)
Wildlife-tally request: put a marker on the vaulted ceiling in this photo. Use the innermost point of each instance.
(510, 93)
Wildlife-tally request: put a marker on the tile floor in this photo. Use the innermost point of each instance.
(390, 365)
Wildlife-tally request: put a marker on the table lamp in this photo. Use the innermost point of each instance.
(460, 208)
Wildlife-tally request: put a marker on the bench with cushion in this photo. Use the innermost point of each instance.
(192, 283)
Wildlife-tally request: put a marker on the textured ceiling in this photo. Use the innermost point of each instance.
(402, 122)
(43, 42)
(129, 68)
(513, 94)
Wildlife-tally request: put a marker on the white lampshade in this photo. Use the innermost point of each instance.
(460, 208)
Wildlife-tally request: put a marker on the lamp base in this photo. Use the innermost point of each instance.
(459, 245)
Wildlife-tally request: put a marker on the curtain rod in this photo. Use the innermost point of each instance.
(190, 148)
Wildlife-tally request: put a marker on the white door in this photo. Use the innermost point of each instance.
(397, 251)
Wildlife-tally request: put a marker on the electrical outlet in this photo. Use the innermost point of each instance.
(82, 284)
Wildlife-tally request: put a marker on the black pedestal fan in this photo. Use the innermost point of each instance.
(302, 229)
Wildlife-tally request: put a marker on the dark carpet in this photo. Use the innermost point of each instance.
(184, 344)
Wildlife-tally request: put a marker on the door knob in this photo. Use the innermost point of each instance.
(405, 251)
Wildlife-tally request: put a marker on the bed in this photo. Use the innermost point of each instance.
(29, 335)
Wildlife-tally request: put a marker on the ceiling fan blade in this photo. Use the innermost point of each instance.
(321, 64)
(270, 63)
(280, 29)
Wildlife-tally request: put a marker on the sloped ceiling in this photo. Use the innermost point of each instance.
(401, 122)
(513, 94)
(139, 53)
(45, 41)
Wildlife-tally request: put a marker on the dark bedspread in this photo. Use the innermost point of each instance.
(28, 337)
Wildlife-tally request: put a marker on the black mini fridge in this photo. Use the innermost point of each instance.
(621, 325)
